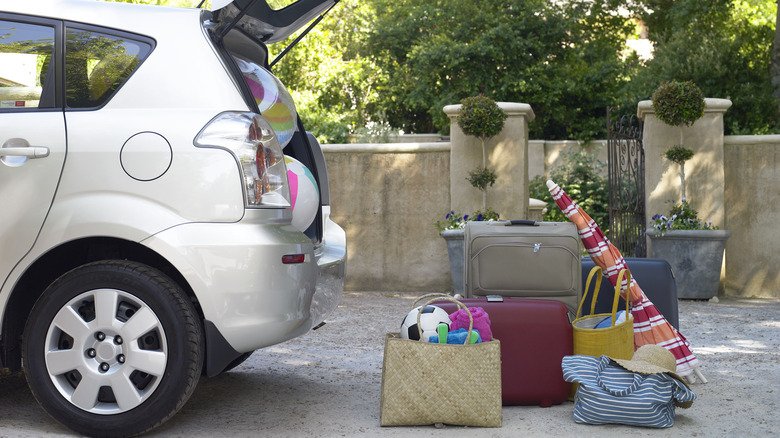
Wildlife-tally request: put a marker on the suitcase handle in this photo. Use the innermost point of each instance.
(523, 222)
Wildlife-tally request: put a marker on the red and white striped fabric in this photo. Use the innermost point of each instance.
(650, 326)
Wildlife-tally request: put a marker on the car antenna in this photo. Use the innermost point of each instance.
(300, 37)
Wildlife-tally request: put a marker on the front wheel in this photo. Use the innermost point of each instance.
(112, 348)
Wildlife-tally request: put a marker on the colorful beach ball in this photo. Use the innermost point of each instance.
(273, 100)
(304, 193)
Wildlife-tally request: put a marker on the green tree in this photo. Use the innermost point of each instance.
(582, 177)
(564, 58)
(399, 62)
(329, 74)
(725, 47)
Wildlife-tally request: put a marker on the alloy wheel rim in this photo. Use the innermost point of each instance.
(106, 351)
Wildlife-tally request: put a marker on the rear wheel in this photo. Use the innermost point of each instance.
(112, 348)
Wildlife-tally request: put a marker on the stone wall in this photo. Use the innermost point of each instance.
(752, 199)
(387, 197)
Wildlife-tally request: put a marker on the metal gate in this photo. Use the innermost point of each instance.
(627, 221)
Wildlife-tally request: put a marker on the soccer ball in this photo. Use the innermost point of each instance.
(430, 319)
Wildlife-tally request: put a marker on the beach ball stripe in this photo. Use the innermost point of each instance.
(304, 193)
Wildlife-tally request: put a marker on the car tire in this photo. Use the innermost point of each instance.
(113, 348)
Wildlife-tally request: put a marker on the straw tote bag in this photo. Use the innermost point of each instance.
(616, 340)
(425, 383)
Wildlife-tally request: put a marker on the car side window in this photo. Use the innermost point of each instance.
(26, 52)
(97, 64)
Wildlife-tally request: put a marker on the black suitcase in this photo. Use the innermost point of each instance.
(654, 276)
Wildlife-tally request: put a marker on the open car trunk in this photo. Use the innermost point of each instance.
(261, 21)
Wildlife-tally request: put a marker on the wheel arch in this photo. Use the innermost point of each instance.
(60, 260)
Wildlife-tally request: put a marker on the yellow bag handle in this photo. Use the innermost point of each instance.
(627, 274)
(596, 271)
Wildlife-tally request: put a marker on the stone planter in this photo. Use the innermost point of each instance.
(696, 257)
(454, 239)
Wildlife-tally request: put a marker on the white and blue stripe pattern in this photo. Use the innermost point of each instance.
(608, 393)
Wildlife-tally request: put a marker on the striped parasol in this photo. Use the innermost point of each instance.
(650, 326)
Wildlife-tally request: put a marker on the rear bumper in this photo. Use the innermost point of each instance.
(331, 259)
(250, 297)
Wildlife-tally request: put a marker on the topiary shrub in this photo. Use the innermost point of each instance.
(676, 103)
(481, 117)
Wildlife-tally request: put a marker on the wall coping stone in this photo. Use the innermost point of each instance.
(510, 108)
(751, 139)
(385, 148)
(711, 105)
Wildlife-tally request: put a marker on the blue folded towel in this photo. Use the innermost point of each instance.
(607, 322)
(457, 337)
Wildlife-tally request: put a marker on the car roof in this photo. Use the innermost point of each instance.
(149, 20)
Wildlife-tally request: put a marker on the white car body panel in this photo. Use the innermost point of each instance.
(24, 185)
(193, 213)
(244, 291)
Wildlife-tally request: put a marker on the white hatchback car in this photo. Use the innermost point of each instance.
(164, 212)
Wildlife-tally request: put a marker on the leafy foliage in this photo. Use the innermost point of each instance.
(400, 62)
(724, 46)
(482, 177)
(563, 58)
(481, 117)
(330, 75)
(679, 154)
(580, 176)
(678, 103)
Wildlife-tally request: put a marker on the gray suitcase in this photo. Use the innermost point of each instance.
(523, 259)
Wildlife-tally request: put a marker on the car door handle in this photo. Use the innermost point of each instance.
(29, 152)
(19, 147)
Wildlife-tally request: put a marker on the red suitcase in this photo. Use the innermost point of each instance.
(534, 335)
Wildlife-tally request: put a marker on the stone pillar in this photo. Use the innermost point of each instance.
(506, 154)
(704, 173)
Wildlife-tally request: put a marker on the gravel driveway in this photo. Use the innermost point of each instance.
(327, 383)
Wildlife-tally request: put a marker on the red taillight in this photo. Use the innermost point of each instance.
(254, 144)
(293, 258)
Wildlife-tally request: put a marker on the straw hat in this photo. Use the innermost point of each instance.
(654, 359)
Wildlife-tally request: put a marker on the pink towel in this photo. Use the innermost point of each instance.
(460, 319)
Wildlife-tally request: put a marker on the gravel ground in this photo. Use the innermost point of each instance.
(327, 383)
